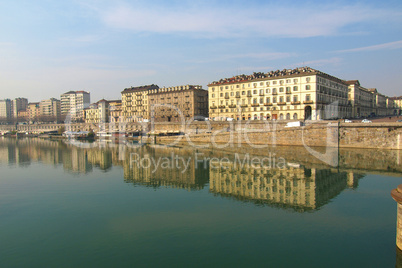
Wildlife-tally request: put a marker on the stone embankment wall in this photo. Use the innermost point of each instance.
(320, 133)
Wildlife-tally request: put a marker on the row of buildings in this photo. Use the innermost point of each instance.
(300, 93)
(70, 107)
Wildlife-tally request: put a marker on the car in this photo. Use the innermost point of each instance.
(366, 121)
(348, 121)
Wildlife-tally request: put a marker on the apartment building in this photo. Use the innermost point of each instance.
(301, 93)
(50, 110)
(135, 105)
(97, 112)
(5, 110)
(18, 104)
(115, 111)
(361, 99)
(174, 103)
(33, 111)
(73, 104)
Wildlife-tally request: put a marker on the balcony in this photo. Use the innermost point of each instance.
(261, 94)
(288, 92)
(255, 105)
(268, 104)
(249, 95)
(232, 106)
(237, 95)
(244, 105)
(222, 106)
(295, 102)
(213, 107)
(308, 102)
(282, 103)
(226, 97)
(275, 93)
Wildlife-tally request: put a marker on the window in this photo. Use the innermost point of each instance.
(287, 89)
(274, 90)
(287, 98)
(295, 98)
(221, 94)
(261, 83)
(254, 91)
(281, 89)
(221, 88)
(274, 99)
(308, 97)
(255, 84)
(254, 101)
(295, 81)
(281, 82)
(308, 79)
(288, 80)
(307, 87)
(213, 89)
(280, 99)
(267, 90)
(274, 82)
(295, 88)
(213, 95)
(243, 92)
(261, 100)
(268, 99)
(267, 83)
(231, 94)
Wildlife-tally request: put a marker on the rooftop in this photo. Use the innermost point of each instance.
(256, 76)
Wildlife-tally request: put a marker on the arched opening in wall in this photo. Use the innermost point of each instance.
(249, 117)
(243, 117)
(295, 116)
(274, 116)
(307, 112)
(255, 117)
(268, 116)
(261, 116)
(358, 112)
(281, 117)
(288, 116)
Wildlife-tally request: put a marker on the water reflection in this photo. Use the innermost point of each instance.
(281, 177)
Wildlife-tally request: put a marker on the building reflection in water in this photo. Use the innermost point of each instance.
(299, 185)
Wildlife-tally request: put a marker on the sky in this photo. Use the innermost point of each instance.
(50, 47)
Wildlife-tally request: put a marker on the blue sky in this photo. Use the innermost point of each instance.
(50, 47)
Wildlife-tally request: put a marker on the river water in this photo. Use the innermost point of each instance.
(103, 204)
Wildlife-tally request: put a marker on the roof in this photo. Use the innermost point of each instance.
(140, 88)
(278, 74)
(353, 82)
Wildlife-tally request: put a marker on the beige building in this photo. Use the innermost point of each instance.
(97, 112)
(50, 110)
(361, 99)
(175, 103)
(397, 105)
(33, 111)
(19, 104)
(5, 110)
(73, 103)
(301, 93)
(135, 105)
(115, 111)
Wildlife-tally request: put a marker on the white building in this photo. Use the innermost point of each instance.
(5, 110)
(73, 103)
(50, 109)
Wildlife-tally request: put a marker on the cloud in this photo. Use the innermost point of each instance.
(238, 21)
(385, 46)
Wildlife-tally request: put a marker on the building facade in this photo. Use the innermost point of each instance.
(33, 111)
(73, 104)
(175, 103)
(5, 110)
(97, 112)
(50, 110)
(301, 93)
(19, 104)
(135, 105)
(361, 99)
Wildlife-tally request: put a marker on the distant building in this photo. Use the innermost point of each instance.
(73, 104)
(397, 105)
(19, 104)
(97, 112)
(5, 110)
(169, 104)
(361, 99)
(135, 105)
(50, 110)
(115, 111)
(33, 111)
